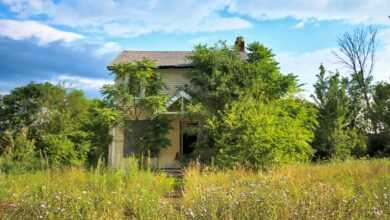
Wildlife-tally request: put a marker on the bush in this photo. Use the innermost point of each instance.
(59, 150)
(18, 153)
(260, 134)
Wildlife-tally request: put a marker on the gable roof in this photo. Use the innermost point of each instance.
(163, 59)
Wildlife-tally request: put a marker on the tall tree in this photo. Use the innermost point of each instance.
(60, 123)
(232, 93)
(138, 98)
(357, 53)
(380, 142)
(333, 136)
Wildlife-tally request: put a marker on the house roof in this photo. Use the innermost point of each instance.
(163, 59)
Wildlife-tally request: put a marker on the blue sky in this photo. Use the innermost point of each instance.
(72, 41)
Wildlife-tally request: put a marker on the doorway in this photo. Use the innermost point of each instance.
(188, 139)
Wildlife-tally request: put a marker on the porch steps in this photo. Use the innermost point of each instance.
(173, 172)
(178, 174)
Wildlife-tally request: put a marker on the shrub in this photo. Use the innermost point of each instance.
(18, 153)
(59, 150)
(260, 134)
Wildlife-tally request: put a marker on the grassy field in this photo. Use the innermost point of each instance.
(345, 190)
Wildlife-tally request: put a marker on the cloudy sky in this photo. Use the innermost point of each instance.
(72, 41)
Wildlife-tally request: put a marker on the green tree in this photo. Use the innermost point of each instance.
(334, 138)
(58, 122)
(99, 121)
(138, 96)
(27, 105)
(380, 142)
(227, 83)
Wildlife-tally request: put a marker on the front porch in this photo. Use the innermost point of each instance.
(181, 144)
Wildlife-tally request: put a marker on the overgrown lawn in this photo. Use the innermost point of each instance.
(337, 190)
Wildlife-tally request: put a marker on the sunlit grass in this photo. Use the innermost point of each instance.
(81, 194)
(347, 190)
(338, 190)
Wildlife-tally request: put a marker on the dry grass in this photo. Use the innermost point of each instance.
(345, 190)
(348, 190)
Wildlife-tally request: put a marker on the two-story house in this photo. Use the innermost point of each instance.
(174, 68)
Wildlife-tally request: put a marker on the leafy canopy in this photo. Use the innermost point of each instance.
(246, 109)
(138, 95)
(334, 136)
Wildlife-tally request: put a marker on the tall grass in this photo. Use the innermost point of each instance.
(81, 194)
(349, 190)
(341, 190)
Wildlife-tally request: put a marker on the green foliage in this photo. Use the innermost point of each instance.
(334, 136)
(227, 85)
(62, 125)
(138, 95)
(60, 150)
(26, 106)
(100, 120)
(138, 90)
(18, 152)
(380, 140)
(260, 134)
(148, 137)
(223, 75)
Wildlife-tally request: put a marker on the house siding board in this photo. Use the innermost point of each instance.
(116, 147)
(167, 157)
(175, 78)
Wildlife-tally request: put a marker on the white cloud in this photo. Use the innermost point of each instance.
(19, 30)
(300, 25)
(80, 82)
(27, 8)
(132, 18)
(383, 56)
(107, 48)
(306, 65)
(355, 11)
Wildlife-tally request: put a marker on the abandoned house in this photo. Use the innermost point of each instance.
(174, 68)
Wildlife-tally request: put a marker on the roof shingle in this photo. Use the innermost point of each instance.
(162, 58)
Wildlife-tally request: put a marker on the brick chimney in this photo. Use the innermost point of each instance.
(240, 44)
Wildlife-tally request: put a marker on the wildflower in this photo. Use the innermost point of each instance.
(191, 213)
